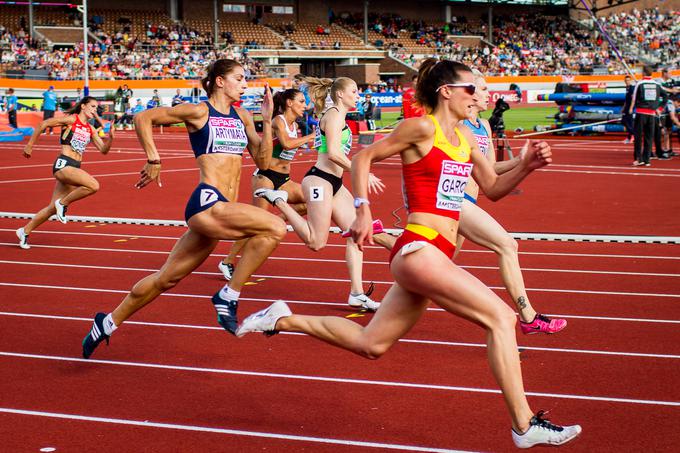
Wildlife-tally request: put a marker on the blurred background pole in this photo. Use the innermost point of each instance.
(366, 22)
(216, 23)
(30, 19)
(86, 59)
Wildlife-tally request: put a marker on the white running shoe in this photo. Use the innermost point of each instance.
(264, 320)
(272, 195)
(61, 211)
(363, 302)
(23, 238)
(227, 270)
(542, 432)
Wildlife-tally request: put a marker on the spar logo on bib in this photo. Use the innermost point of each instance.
(452, 182)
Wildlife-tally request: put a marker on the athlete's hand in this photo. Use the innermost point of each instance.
(150, 172)
(362, 227)
(111, 131)
(535, 154)
(28, 149)
(267, 103)
(375, 184)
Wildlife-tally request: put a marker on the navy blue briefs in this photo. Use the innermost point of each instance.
(202, 198)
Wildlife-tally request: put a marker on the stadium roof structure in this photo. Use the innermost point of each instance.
(516, 2)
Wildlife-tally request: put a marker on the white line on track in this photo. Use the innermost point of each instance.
(316, 260)
(377, 282)
(136, 173)
(228, 431)
(627, 173)
(141, 159)
(397, 384)
(401, 340)
(175, 238)
(303, 302)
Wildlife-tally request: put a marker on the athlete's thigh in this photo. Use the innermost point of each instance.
(343, 209)
(188, 253)
(479, 227)
(61, 190)
(399, 311)
(294, 190)
(75, 177)
(452, 288)
(318, 195)
(233, 220)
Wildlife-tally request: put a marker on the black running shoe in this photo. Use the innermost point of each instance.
(96, 336)
(226, 313)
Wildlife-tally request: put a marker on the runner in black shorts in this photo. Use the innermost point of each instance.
(73, 183)
(289, 105)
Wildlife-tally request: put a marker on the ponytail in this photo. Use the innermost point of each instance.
(79, 105)
(282, 97)
(433, 74)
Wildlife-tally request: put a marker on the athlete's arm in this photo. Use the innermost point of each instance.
(260, 147)
(52, 122)
(190, 114)
(101, 145)
(495, 187)
(674, 118)
(333, 126)
(279, 131)
(404, 137)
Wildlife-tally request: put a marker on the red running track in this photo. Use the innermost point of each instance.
(172, 380)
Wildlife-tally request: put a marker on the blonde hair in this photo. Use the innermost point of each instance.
(319, 89)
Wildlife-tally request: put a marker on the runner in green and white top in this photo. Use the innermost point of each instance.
(289, 105)
(327, 198)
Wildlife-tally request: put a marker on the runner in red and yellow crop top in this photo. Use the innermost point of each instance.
(436, 158)
(73, 183)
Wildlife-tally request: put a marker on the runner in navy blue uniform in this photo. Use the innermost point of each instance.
(219, 133)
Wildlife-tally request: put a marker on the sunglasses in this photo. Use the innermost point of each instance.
(470, 88)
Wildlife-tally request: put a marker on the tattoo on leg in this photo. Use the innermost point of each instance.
(522, 302)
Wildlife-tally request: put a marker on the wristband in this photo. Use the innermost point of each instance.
(359, 201)
(153, 162)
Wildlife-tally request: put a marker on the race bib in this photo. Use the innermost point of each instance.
(452, 182)
(347, 145)
(60, 163)
(287, 154)
(80, 139)
(482, 143)
(228, 135)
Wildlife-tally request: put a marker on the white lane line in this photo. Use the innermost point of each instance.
(606, 167)
(340, 380)
(299, 244)
(402, 340)
(229, 431)
(307, 302)
(88, 163)
(342, 262)
(377, 282)
(626, 173)
(136, 173)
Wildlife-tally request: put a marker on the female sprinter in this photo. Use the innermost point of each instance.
(289, 105)
(437, 160)
(219, 133)
(482, 229)
(73, 183)
(327, 199)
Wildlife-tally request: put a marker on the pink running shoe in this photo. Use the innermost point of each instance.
(542, 324)
(377, 229)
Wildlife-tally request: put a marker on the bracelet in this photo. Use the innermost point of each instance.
(359, 201)
(153, 162)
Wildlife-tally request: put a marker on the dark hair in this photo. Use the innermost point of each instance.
(647, 70)
(282, 97)
(79, 105)
(432, 75)
(219, 68)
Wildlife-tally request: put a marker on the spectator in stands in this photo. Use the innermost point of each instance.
(49, 106)
(320, 30)
(177, 98)
(11, 105)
